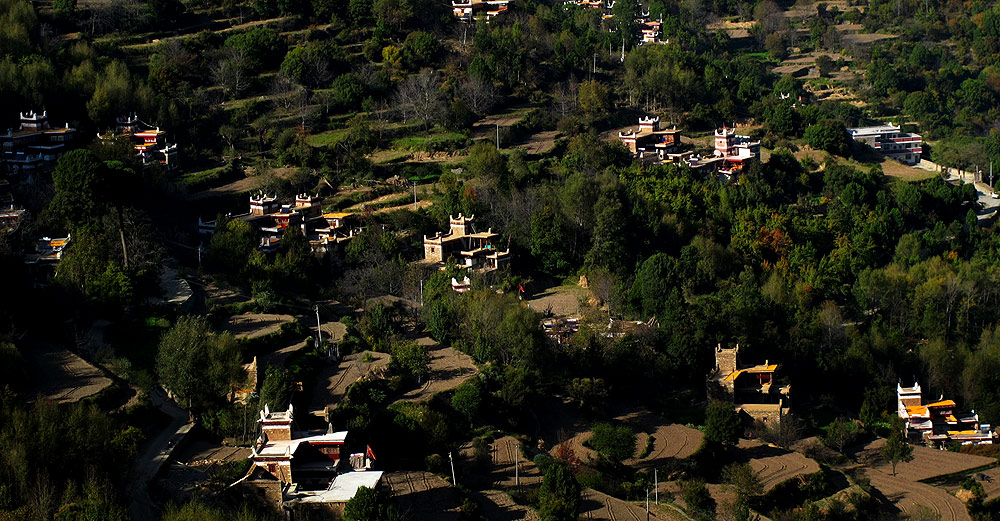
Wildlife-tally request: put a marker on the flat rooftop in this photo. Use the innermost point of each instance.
(343, 488)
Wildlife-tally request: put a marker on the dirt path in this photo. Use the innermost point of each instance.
(153, 454)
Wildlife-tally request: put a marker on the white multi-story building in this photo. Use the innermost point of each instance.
(904, 147)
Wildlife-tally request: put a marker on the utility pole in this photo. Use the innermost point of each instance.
(656, 486)
(421, 292)
(319, 332)
(199, 255)
(454, 482)
(414, 195)
(647, 504)
(498, 136)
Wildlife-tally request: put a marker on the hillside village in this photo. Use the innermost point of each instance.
(499, 260)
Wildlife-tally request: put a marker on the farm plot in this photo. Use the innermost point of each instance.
(908, 494)
(991, 485)
(505, 452)
(673, 441)
(205, 453)
(498, 506)
(561, 301)
(253, 325)
(448, 369)
(332, 382)
(927, 462)
(602, 507)
(61, 376)
(422, 496)
(773, 470)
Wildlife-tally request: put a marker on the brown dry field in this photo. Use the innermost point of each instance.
(991, 487)
(904, 490)
(599, 506)
(563, 300)
(773, 470)
(332, 382)
(422, 496)
(62, 376)
(247, 184)
(927, 462)
(205, 453)
(498, 506)
(505, 452)
(408, 206)
(670, 440)
(907, 494)
(448, 369)
(862, 38)
(253, 325)
(540, 143)
(380, 199)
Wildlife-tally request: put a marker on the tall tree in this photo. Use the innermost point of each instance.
(559, 496)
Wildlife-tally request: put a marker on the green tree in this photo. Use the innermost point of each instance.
(840, 433)
(79, 182)
(594, 99)
(369, 505)
(722, 424)
(610, 242)
(559, 496)
(896, 450)
(698, 500)
(410, 359)
(828, 135)
(196, 365)
(549, 240)
(614, 441)
(467, 399)
(487, 162)
(744, 478)
(420, 49)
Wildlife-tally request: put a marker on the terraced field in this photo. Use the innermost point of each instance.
(773, 470)
(422, 496)
(505, 452)
(904, 489)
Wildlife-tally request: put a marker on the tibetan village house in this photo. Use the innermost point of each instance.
(469, 248)
(736, 152)
(937, 423)
(752, 388)
(150, 143)
(904, 147)
(269, 218)
(294, 471)
(650, 142)
(35, 146)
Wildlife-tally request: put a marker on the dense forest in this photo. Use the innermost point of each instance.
(852, 272)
